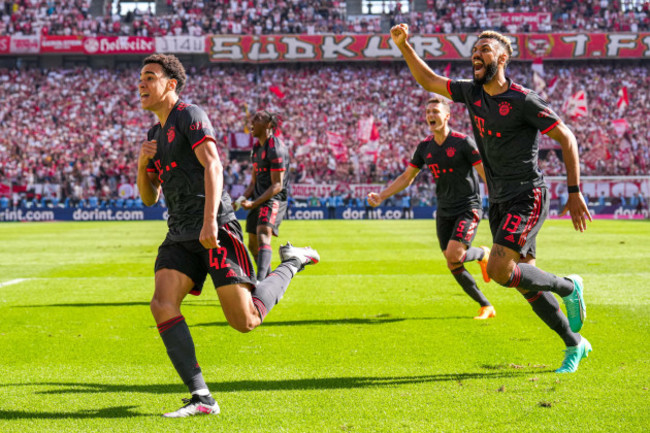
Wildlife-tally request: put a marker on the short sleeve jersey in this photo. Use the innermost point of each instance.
(181, 174)
(452, 165)
(270, 156)
(506, 130)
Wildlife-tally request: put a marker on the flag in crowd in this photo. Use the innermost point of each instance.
(576, 105)
(623, 100)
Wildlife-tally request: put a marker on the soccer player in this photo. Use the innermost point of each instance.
(180, 157)
(451, 157)
(268, 189)
(506, 120)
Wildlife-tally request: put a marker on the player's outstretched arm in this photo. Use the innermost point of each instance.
(428, 79)
(400, 184)
(148, 183)
(208, 156)
(575, 205)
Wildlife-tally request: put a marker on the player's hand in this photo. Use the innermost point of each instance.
(237, 204)
(374, 199)
(577, 207)
(147, 152)
(209, 235)
(247, 204)
(400, 34)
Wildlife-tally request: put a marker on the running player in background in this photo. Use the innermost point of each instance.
(506, 120)
(180, 157)
(265, 198)
(452, 158)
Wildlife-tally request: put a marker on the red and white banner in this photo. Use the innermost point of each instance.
(533, 19)
(305, 190)
(5, 42)
(612, 187)
(365, 128)
(62, 44)
(25, 45)
(576, 106)
(623, 100)
(304, 48)
(335, 143)
(180, 44)
(620, 126)
(119, 45)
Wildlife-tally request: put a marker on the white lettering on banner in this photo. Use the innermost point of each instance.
(4, 44)
(19, 215)
(646, 41)
(374, 49)
(463, 48)
(377, 213)
(25, 44)
(61, 44)
(180, 44)
(124, 43)
(423, 45)
(297, 49)
(226, 47)
(307, 215)
(321, 190)
(332, 49)
(270, 54)
(107, 215)
(616, 42)
(580, 41)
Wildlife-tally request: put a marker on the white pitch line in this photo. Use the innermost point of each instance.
(16, 281)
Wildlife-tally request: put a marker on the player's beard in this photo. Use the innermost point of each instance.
(491, 70)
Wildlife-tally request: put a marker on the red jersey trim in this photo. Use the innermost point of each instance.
(477, 162)
(550, 127)
(202, 140)
(152, 170)
(449, 87)
(278, 169)
(413, 165)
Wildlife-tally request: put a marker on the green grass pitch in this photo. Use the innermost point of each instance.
(378, 337)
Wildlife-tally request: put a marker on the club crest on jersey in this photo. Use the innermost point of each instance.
(171, 134)
(504, 108)
(451, 151)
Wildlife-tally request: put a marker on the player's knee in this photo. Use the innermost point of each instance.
(498, 273)
(244, 324)
(160, 307)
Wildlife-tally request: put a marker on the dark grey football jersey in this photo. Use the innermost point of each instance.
(506, 128)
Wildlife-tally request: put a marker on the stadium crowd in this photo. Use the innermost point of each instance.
(81, 138)
(201, 17)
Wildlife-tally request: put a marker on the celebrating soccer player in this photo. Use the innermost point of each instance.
(180, 156)
(506, 119)
(268, 189)
(450, 156)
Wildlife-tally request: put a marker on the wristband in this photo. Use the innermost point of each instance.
(574, 188)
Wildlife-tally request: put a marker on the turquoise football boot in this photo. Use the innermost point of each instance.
(576, 310)
(573, 355)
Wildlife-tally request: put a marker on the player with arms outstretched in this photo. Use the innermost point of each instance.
(506, 120)
(452, 158)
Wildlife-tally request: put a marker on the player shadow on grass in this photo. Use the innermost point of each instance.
(105, 413)
(323, 383)
(347, 321)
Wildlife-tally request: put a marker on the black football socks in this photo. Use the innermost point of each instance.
(468, 284)
(270, 290)
(472, 254)
(546, 306)
(180, 349)
(264, 254)
(529, 277)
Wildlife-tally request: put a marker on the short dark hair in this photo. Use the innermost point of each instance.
(503, 40)
(171, 66)
(439, 100)
(272, 118)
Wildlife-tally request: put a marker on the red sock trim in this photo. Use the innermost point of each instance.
(260, 307)
(515, 278)
(164, 326)
(458, 270)
(264, 247)
(534, 298)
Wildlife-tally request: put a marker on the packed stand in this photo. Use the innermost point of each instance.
(202, 17)
(78, 143)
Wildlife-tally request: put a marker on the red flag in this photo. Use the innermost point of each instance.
(447, 70)
(623, 100)
(374, 134)
(276, 91)
(620, 126)
(538, 66)
(335, 142)
(576, 105)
